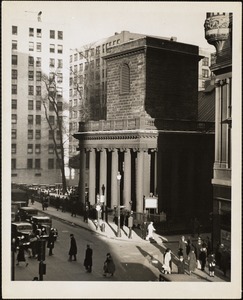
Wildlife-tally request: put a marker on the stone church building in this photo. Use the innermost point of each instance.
(151, 134)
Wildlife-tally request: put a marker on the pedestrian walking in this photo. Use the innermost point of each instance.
(211, 264)
(74, 207)
(167, 262)
(21, 255)
(73, 248)
(192, 261)
(143, 228)
(182, 247)
(130, 224)
(51, 241)
(203, 256)
(88, 259)
(198, 247)
(151, 229)
(109, 266)
(181, 265)
(86, 214)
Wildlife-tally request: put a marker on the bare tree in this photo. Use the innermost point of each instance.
(51, 102)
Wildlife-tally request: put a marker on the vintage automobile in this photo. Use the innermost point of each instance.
(22, 231)
(19, 195)
(25, 213)
(43, 224)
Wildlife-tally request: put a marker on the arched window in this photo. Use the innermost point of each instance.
(124, 79)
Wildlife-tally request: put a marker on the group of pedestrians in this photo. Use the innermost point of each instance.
(197, 256)
(109, 265)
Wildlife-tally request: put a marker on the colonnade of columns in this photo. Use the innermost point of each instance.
(134, 162)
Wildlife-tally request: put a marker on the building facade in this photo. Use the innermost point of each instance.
(218, 32)
(204, 72)
(38, 51)
(88, 79)
(150, 134)
(87, 88)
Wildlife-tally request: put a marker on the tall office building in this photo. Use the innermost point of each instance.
(38, 52)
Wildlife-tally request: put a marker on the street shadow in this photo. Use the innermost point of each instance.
(138, 271)
(152, 260)
(113, 230)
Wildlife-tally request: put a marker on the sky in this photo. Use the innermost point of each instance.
(89, 21)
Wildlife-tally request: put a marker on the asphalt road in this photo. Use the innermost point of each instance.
(133, 262)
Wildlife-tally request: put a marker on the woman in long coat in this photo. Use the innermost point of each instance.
(109, 266)
(192, 261)
(50, 242)
(88, 259)
(73, 248)
(182, 247)
(21, 255)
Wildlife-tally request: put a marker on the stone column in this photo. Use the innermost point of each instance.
(114, 171)
(103, 170)
(217, 122)
(146, 173)
(139, 183)
(92, 175)
(82, 176)
(127, 178)
(155, 172)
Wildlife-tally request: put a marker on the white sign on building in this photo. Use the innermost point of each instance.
(151, 203)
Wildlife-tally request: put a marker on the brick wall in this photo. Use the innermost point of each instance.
(126, 105)
(163, 81)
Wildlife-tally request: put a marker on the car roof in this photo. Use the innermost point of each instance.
(28, 208)
(41, 217)
(21, 223)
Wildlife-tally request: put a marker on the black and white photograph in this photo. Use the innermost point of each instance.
(121, 149)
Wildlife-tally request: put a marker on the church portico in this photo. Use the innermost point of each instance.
(129, 153)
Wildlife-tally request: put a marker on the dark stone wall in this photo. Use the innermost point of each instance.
(185, 172)
(171, 85)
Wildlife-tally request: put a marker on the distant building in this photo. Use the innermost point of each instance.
(218, 32)
(204, 72)
(37, 49)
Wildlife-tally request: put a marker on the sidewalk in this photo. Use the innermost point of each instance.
(110, 231)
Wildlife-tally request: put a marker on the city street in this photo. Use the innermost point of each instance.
(132, 261)
(135, 259)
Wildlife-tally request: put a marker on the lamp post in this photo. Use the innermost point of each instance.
(13, 246)
(118, 205)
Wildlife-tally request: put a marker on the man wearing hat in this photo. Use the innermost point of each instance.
(73, 248)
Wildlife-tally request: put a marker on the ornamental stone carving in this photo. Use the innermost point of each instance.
(218, 29)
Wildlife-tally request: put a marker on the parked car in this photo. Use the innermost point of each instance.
(23, 231)
(25, 213)
(19, 195)
(44, 225)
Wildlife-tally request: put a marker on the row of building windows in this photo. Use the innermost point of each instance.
(36, 163)
(38, 62)
(31, 119)
(30, 148)
(92, 52)
(52, 47)
(30, 134)
(53, 33)
(30, 104)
